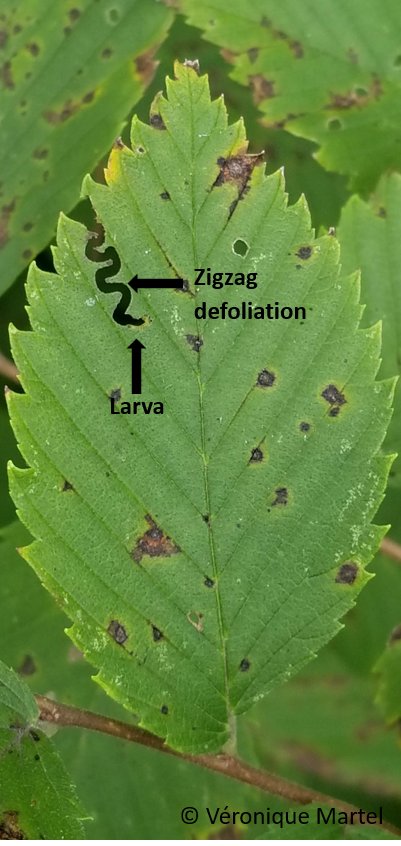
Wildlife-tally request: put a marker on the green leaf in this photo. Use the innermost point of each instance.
(37, 800)
(327, 72)
(389, 685)
(118, 796)
(369, 235)
(206, 553)
(69, 77)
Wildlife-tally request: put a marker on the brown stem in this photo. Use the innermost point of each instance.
(66, 715)
(391, 548)
(8, 369)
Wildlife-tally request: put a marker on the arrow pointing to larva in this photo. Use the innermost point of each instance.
(136, 372)
(136, 283)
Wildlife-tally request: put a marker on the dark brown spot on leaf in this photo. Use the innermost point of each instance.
(67, 486)
(357, 97)
(347, 573)
(157, 121)
(26, 254)
(332, 395)
(165, 195)
(194, 64)
(5, 216)
(304, 252)
(6, 76)
(145, 66)
(67, 30)
(157, 634)
(262, 89)
(17, 29)
(382, 212)
(27, 666)
(34, 735)
(33, 48)
(107, 52)
(266, 379)
(118, 143)
(185, 288)
(88, 97)
(69, 109)
(194, 341)
(117, 631)
(154, 543)
(304, 427)
(237, 170)
(209, 583)
(281, 496)
(3, 38)
(40, 153)
(74, 14)
(115, 394)
(395, 635)
(334, 412)
(164, 709)
(27, 226)
(297, 49)
(253, 54)
(256, 456)
(244, 665)
(9, 828)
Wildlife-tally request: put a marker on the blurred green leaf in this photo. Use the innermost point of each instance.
(328, 72)
(37, 800)
(370, 239)
(70, 73)
(388, 669)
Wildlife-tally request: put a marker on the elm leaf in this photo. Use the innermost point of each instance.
(204, 554)
(326, 71)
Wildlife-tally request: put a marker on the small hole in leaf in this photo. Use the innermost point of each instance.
(140, 150)
(334, 124)
(240, 248)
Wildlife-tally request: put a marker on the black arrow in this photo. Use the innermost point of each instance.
(136, 283)
(136, 374)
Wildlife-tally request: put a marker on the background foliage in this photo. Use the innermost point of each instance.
(327, 727)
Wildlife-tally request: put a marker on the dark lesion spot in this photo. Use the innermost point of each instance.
(193, 64)
(334, 412)
(154, 543)
(253, 54)
(118, 144)
(262, 88)
(67, 111)
(164, 709)
(165, 195)
(5, 219)
(145, 66)
(9, 827)
(117, 631)
(194, 341)
(87, 98)
(256, 456)
(6, 76)
(156, 120)
(296, 49)
(265, 379)
(107, 52)
(34, 735)
(304, 252)
(347, 573)
(206, 518)
(67, 486)
(244, 665)
(37, 757)
(304, 426)
(209, 583)
(33, 48)
(334, 397)
(395, 635)
(156, 633)
(237, 170)
(74, 14)
(382, 212)
(281, 496)
(115, 394)
(40, 153)
(27, 226)
(3, 38)
(27, 666)
(185, 289)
